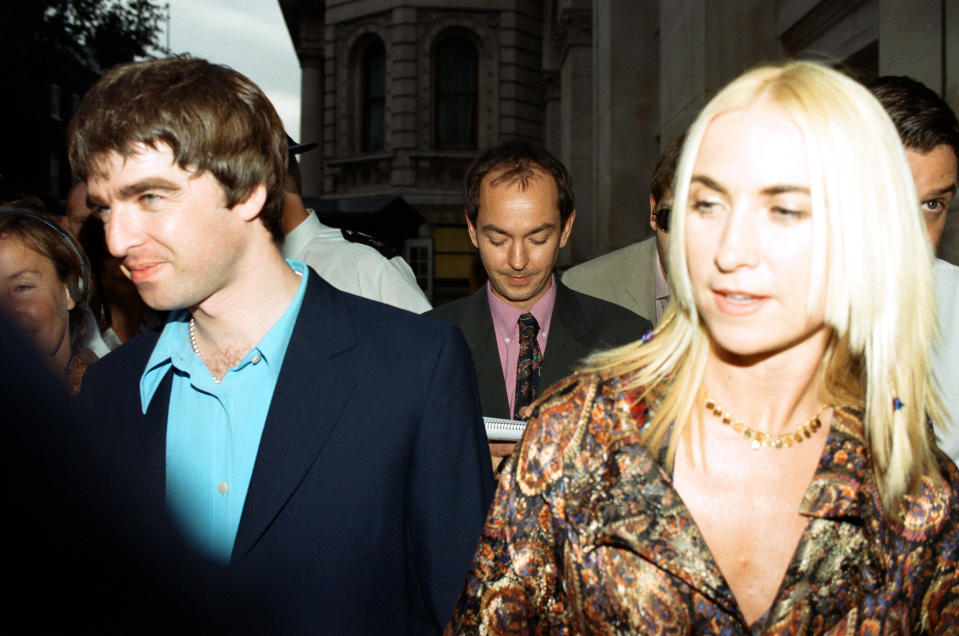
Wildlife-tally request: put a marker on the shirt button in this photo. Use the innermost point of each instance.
(506, 339)
(256, 359)
(222, 488)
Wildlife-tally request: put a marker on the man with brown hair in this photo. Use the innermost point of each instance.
(634, 276)
(253, 405)
(526, 329)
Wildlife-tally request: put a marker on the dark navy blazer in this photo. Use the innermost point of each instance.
(372, 479)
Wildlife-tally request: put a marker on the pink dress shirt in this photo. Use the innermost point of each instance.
(506, 328)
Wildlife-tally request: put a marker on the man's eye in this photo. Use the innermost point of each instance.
(497, 243)
(932, 206)
(20, 289)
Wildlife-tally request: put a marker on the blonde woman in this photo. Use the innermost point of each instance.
(762, 462)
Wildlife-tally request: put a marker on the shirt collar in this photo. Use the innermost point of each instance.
(173, 348)
(842, 485)
(296, 240)
(505, 315)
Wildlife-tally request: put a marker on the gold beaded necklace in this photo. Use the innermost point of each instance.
(760, 439)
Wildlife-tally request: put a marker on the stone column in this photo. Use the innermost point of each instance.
(626, 64)
(402, 104)
(574, 28)
(910, 40)
(311, 120)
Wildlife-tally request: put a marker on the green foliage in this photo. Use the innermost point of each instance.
(109, 31)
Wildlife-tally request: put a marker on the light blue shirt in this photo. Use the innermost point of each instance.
(213, 430)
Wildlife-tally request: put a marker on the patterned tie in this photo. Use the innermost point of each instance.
(528, 365)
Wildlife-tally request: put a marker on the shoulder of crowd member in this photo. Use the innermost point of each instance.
(385, 250)
(617, 324)
(407, 331)
(454, 310)
(608, 264)
(359, 269)
(946, 278)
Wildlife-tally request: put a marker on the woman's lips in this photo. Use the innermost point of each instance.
(738, 303)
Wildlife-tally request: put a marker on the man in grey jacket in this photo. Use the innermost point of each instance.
(634, 276)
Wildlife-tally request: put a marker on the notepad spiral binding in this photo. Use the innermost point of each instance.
(502, 430)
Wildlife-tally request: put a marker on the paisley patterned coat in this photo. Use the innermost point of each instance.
(587, 536)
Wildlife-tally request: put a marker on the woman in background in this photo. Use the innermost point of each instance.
(762, 462)
(44, 278)
(116, 312)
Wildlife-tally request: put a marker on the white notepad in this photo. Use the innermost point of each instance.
(501, 430)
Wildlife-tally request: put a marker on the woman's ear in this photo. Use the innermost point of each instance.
(68, 297)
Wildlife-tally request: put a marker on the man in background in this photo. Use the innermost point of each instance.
(930, 132)
(350, 261)
(634, 276)
(527, 330)
(76, 208)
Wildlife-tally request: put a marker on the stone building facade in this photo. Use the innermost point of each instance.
(403, 95)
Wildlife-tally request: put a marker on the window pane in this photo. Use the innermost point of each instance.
(374, 94)
(375, 126)
(455, 100)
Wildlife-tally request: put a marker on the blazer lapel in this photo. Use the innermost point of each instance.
(477, 327)
(153, 432)
(311, 394)
(567, 328)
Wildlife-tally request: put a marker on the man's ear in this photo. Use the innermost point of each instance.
(250, 208)
(567, 229)
(472, 230)
(652, 213)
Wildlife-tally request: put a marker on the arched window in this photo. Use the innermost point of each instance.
(455, 68)
(373, 96)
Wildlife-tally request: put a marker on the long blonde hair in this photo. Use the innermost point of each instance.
(877, 286)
